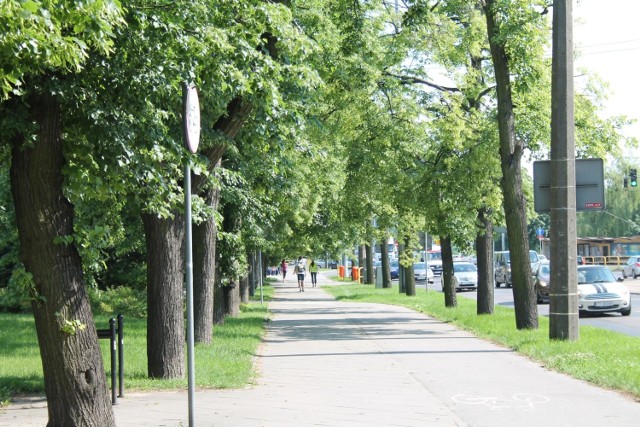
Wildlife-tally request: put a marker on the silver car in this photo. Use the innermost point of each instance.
(631, 268)
(465, 276)
(421, 273)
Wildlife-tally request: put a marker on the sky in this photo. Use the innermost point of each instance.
(607, 40)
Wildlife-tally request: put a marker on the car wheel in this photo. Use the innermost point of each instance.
(634, 274)
(626, 311)
(624, 275)
(539, 298)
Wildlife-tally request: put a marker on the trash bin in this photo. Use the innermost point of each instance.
(355, 274)
(341, 271)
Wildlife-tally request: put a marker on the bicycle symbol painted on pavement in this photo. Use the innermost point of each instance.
(524, 401)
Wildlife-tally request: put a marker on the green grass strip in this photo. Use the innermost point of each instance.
(226, 363)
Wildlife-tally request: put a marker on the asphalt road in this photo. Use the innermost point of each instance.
(629, 325)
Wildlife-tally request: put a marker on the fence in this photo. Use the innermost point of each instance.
(606, 260)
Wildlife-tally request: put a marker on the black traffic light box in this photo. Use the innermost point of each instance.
(633, 178)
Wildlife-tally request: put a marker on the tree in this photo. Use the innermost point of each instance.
(511, 148)
(41, 47)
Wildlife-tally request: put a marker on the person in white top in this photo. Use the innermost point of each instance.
(300, 269)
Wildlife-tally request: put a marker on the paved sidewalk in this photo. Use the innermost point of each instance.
(330, 363)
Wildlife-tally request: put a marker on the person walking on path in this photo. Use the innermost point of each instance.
(313, 269)
(283, 267)
(299, 270)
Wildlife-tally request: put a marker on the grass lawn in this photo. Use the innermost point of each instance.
(226, 363)
(601, 357)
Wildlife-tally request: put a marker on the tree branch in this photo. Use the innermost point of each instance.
(417, 80)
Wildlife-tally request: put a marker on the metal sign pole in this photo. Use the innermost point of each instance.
(191, 125)
(189, 274)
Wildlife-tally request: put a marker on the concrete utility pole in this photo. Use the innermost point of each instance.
(563, 305)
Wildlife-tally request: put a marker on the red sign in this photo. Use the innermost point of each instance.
(595, 205)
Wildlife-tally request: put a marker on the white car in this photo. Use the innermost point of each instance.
(600, 292)
(465, 276)
(420, 272)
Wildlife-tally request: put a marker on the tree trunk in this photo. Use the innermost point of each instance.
(386, 268)
(218, 301)
(165, 279)
(204, 263)
(484, 252)
(448, 286)
(362, 254)
(74, 377)
(369, 268)
(410, 280)
(526, 309)
(231, 299)
(401, 272)
(244, 288)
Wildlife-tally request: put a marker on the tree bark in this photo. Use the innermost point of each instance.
(218, 301)
(369, 268)
(204, 261)
(386, 268)
(232, 299)
(204, 265)
(484, 253)
(450, 297)
(244, 288)
(73, 369)
(362, 250)
(526, 309)
(410, 280)
(165, 279)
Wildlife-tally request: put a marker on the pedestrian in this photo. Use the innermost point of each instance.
(313, 269)
(283, 267)
(299, 270)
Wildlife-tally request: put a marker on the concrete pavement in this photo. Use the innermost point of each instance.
(330, 363)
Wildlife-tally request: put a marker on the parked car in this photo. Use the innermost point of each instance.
(541, 280)
(333, 264)
(465, 276)
(394, 267)
(421, 272)
(581, 260)
(503, 266)
(631, 268)
(600, 292)
(542, 257)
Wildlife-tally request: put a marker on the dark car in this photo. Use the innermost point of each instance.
(394, 266)
(333, 264)
(541, 278)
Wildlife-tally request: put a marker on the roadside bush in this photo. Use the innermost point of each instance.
(122, 299)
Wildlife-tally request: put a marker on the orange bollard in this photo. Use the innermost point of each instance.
(341, 271)
(355, 274)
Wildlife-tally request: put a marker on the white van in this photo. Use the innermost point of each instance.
(502, 261)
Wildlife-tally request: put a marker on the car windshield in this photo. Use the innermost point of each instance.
(419, 266)
(533, 256)
(393, 263)
(545, 270)
(595, 275)
(435, 256)
(460, 268)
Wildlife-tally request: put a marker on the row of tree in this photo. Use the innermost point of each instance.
(326, 123)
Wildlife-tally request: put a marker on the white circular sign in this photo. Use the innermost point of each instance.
(192, 119)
